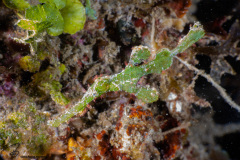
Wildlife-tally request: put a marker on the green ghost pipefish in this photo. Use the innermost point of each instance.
(128, 78)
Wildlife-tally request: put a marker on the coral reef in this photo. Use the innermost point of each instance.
(195, 117)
